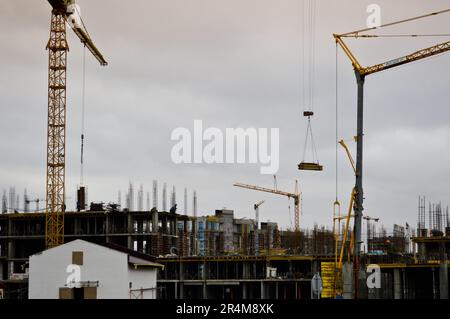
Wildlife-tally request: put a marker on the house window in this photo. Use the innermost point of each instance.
(77, 258)
(78, 293)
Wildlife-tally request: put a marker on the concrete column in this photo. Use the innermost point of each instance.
(175, 290)
(129, 230)
(276, 290)
(164, 225)
(443, 280)
(11, 250)
(347, 280)
(10, 256)
(107, 228)
(434, 283)
(75, 226)
(181, 271)
(405, 284)
(363, 291)
(205, 294)
(244, 290)
(397, 284)
(315, 267)
(181, 290)
(263, 295)
(245, 270)
(421, 251)
(173, 227)
(155, 222)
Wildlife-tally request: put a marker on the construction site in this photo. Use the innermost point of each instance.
(219, 256)
(215, 254)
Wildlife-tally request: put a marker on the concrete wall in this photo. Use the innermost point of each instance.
(48, 271)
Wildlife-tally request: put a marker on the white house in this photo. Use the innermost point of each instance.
(83, 270)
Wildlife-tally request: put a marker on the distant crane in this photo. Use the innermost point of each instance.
(256, 207)
(296, 196)
(62, 11)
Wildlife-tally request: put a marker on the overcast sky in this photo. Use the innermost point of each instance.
(231, 64)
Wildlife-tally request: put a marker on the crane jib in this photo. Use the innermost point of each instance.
(395, 61)
(61, 6)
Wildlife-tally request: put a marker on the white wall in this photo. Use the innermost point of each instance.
(143, 278)
(108, 266)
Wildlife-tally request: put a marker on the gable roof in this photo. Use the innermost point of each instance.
(141, 263)
(128, 251)
(111, 246)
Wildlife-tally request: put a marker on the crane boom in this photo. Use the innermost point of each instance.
(295, 196)
(267, 190)
(415, 56)
(86, 40)
(62, 6)
(350, 157)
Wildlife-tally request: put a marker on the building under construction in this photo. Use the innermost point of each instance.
(215, 256)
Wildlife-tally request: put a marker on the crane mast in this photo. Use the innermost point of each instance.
(56, 130)
(57, 47)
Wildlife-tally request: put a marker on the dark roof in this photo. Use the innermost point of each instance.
(128, 251)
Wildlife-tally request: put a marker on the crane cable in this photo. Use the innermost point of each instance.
(83, 95)
(312, 51)
(308, 56)
(365, 36)
(308, 61)
(303, 56)
(394, 23)
(82, 22)
(309, 133)
(337, 121)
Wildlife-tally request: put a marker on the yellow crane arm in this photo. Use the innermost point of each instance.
(347, 226)
(352, 162)
(419, 55)
(416, 56)
(347, 51)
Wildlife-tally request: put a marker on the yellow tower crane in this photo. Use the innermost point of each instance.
(296, 196)
(63, 11)
(361, 73)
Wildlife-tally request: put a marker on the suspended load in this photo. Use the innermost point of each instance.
(312, 165)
